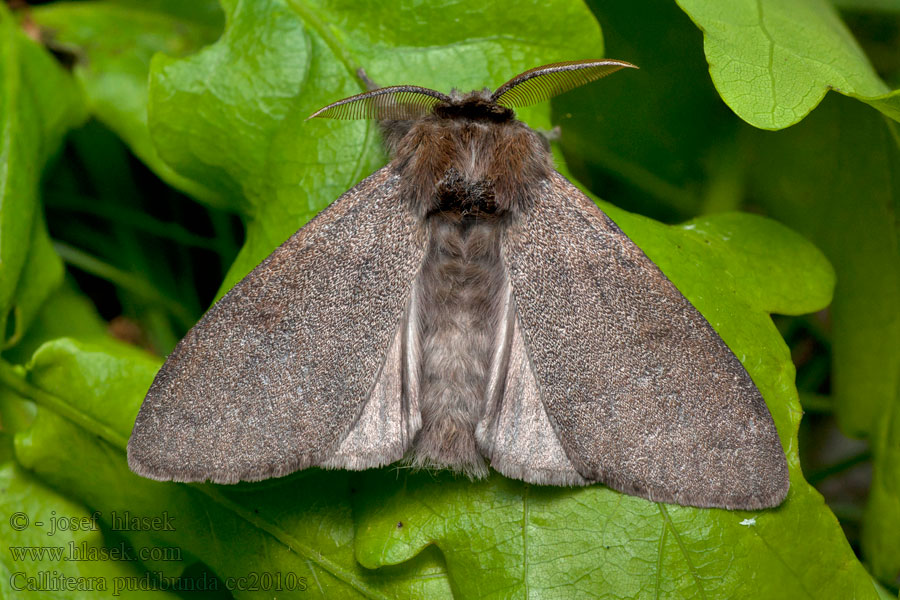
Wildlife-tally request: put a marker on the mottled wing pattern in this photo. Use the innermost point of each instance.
(274, 377)
(643, 394)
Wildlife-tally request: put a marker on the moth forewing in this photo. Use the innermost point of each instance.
(274, 377)
(464, 303)
(642, 392)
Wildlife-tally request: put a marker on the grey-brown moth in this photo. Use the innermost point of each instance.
(465, 303)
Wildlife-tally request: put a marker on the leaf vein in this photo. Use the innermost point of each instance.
(691, 568)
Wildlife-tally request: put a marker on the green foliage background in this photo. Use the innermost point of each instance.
(784, 109)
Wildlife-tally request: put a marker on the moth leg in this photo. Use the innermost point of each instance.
(370, 85)
(392, 130)
(551, 135)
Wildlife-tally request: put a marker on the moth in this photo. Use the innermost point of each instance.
(464, 304)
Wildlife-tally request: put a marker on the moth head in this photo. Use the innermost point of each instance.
(409, 102)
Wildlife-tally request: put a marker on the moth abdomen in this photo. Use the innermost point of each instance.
(459, 286)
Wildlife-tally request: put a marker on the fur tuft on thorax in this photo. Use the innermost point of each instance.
(471, 149)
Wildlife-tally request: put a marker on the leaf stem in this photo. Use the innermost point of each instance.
(824, 473)
(289, 541)
(14, 378)
(95, 266)
(132, 218)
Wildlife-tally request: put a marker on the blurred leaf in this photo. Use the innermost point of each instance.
(40, 276)
(888, 6)
(206, 13)
(114, 44)
(883, 593)
(233, 116)
(845, 197)
(100, 203)
(66, 313)
(882, 518)
(773, 61)
(648, 140)
(38, 103)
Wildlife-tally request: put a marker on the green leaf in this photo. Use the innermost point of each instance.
(845, 197)
(234, 115)
(32, 551)
(40, 276)
(533, 540)
(499, 537)
(305, 528)
(38, 104)
(78, 368)
(66, 313)
(504, 539)
(773, 61)
(648, 140)
(114, 44)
